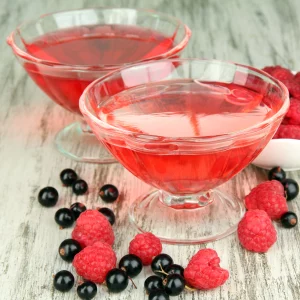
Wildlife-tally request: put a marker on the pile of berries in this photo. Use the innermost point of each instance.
(290, 127)
(90, 249)
(93, 258)
(93, 228)
(267, 202)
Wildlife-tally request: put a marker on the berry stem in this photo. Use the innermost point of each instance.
(132, 282)
(188, 288)
(162, 270)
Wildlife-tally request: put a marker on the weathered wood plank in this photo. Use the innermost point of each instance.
(252, 32)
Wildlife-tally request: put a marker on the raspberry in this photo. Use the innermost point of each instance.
(297, 76)
(282, 74)
(256, 231)
(293, 114)
(204, 272)
(268, 196)
(288, 132)
(289, 84)
(294, 89)
(91, 227)
(145, 246)
(279, 72)
(270, 69)
(94, 262)
(272, 185)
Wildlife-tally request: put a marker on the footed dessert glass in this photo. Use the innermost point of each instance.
(64, 52)
(185, 126)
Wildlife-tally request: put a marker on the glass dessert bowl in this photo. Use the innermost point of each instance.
(64, 52)
(185, 126)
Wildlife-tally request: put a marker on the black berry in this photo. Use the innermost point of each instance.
(159, 295)
(48, 196)
(277, 174)
(77, 208)
(175, 269)
(109, 193)
(79, 187)
(116, 280)
(68, 249)
(109, 214)
(131, 264)
(63, 281)
(87, 290)
(174, 284)
(64, 217)
(68, 177)
(160, 263)
(289, 219)
(153, 283)
(291, 188)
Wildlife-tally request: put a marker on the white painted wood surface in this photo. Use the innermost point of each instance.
(252, 32)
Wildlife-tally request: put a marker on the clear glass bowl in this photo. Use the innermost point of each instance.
(185, 126)
(64, 79)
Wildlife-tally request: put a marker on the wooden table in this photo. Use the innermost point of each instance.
(253, 32)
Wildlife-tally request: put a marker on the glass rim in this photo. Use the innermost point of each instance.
(153, 138)
(100, 67)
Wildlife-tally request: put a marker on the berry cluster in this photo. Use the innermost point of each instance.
(266, 202)
(65, 217)
(290, 127)
(91, 241)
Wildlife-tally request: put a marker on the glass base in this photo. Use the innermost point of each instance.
(213, 221)
(82, 145)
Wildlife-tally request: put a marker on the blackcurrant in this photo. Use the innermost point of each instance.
(68, 249)
(77, 208)
(174, 284)
(87, 290)
(64, 217)
(68, 177)
(289, 219)
(79, 187)
(109, 214)
(160, 263)
(131, 264)
(277, 174)
(48, 196)
(153, 283)
(159, 295)
(116, 280)
(109, 193)
(175, 269)
(63, 281)
(291, 188)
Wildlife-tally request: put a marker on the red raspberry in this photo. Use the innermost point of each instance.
(288, 132)
(204, 272)
(279, 72)
(268, 196)
(289, 84)
(297, 76)
(293, 114)
(270, 69)
(256, 231)
(294, 89)
(272, 185)
(145, 246)
(94, 262)
(91, 227)
(282, 74)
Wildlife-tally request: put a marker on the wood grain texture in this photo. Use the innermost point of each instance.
(252, 32)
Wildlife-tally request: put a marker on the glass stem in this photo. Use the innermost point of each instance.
(187, 201)
(85, 127)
